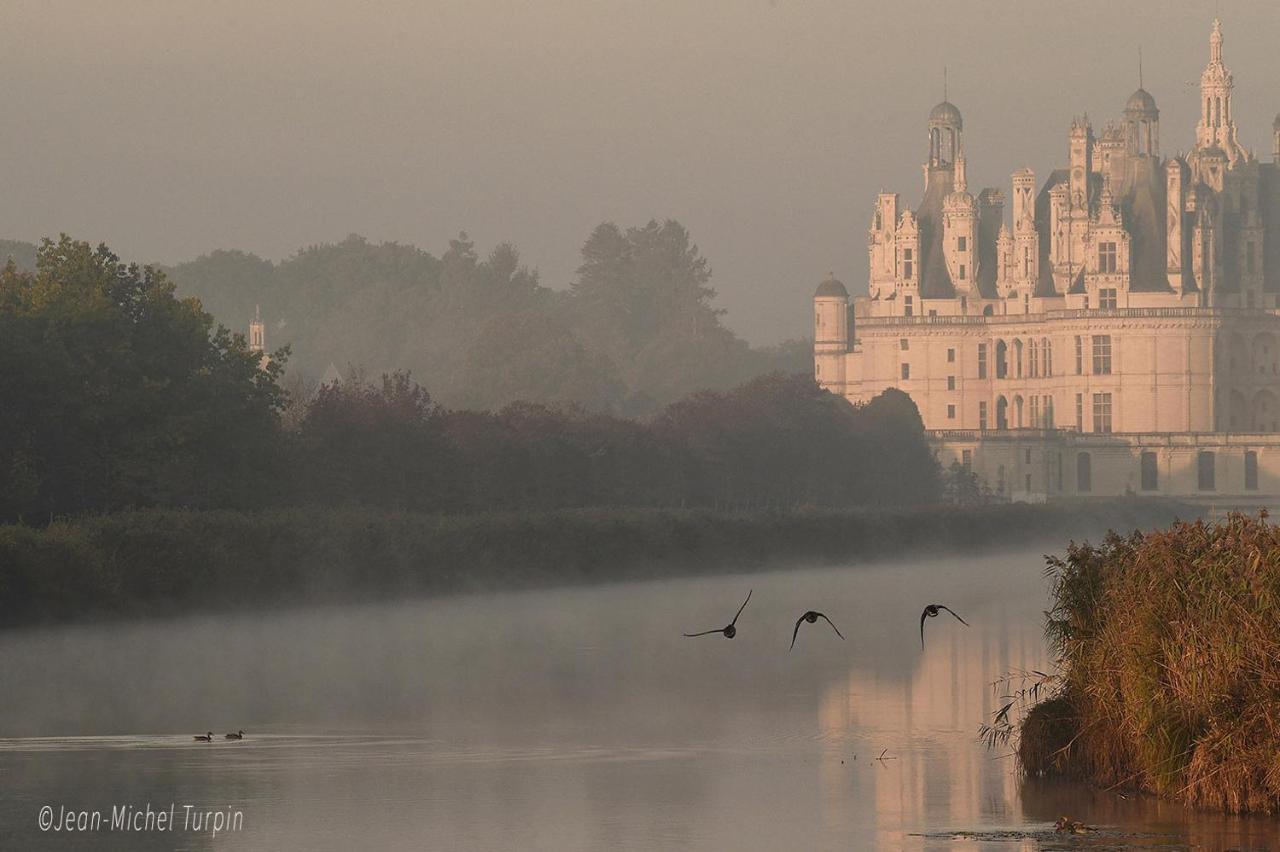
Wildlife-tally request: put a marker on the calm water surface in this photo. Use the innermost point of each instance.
(571, 719)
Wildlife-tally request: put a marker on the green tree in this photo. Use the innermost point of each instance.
(118, 394)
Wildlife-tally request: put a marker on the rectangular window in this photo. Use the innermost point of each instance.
(1150, 473)
(1106, 257)
(951, 412)
(1079, 355)
(1102, 412)
(951, 382)
(1084, 473)
(1107, 299)
(904, 344)
(1033, 362)
(951, 356)
(906, 305)
(1028, 482)
(906, 371)
(1048, 412)
(1250, 471)
(1205, 471)
(1079, 412)
(962, 244)
(982, 360)
(966, 458)
(1028, 455)
(962, 272)
(1102, 354)
(1047, 345)
(982, 414)
(1035, 412)
(907, 265)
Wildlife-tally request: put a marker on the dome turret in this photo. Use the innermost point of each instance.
(946, 113)
(1141, 102)
(831, 288)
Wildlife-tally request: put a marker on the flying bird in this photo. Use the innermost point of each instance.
(206, 738)
(812, 617)
(729, 631)
(931, 611)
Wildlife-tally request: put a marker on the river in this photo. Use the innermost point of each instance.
(561, 719)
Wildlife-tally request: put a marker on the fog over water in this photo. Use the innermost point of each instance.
(575, 718)
(169, 129)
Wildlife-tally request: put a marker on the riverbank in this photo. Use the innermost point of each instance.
(147, 563)
(1169, 649)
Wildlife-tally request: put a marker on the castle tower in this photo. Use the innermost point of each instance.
(960, 231)
(1217, 127)
(830, 333)
(1026, 241)
(1175, 225)
(882, 245)
(1141, 125)
(945, 126)
(1081, 151)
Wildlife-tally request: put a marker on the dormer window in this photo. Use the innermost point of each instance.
(962, 272)
(962, 243)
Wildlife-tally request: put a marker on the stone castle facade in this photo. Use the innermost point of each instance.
(1118, 331)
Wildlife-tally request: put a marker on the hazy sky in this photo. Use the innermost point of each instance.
(171, 128)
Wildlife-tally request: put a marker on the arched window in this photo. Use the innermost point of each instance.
(1017, 411)
(1002, 413)
(1017, 358)
(1002, 360)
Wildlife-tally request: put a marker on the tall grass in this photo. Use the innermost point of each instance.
(159, 562)
(1169, 646)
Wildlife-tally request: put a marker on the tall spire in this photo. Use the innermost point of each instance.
(944, 83)
(1140, 86)
(1215, 43)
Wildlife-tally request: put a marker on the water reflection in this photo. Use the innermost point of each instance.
(568, 719)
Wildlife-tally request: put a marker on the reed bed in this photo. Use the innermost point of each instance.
(1169, 651)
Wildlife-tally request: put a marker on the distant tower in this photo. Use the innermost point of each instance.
(1026, 242)
(258, 338)
(257, 332)
(830, 333)
(1217, 127)
(1081, 164)
(1142, 125)
(945, 126)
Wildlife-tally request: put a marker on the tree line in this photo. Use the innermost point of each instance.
(115, 393)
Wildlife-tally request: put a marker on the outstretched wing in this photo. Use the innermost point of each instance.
(833, 625)
(704, 633)
(961, 620)
(923, 615)
(744, 606)
(794, 632)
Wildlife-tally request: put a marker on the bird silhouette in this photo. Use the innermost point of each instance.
(235, 736)
(812, 617)
(931, 611)
(206, 738)
(729, 630)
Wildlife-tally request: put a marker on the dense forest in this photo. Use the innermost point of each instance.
(117, 394)
(635, 330)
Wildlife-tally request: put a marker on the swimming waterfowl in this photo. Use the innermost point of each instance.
(812, 617)
(729, 631)
(207, 738)
(236, 736)
(931, 611)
